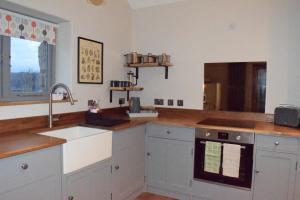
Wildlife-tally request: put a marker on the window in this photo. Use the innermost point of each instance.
(27, 57)
(27, 69)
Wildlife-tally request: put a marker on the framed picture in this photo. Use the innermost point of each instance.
(90, 61)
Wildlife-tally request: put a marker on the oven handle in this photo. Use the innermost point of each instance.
(202, 142)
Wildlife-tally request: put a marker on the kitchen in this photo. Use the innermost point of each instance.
(195, 34)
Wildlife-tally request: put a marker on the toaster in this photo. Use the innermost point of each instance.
(287, 116)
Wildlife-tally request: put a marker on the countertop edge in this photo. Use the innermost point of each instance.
(42, 142)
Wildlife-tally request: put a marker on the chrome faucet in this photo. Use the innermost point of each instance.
(52, 89)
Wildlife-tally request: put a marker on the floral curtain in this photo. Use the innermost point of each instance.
(20, 26)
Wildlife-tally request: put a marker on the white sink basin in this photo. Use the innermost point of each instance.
(85, 146)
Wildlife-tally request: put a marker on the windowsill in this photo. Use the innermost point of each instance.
(16, 103)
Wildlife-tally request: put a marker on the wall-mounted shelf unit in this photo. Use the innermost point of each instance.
(123, 89)
(145, 65)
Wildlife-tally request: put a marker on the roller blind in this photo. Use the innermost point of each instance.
(28, 28)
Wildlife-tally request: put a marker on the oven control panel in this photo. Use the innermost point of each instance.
(226, 136)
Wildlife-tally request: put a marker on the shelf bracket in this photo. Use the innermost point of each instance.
(166, 72)
(136, 73)
(127, 95)
(110, 96)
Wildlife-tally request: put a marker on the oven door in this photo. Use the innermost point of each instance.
(245, 171)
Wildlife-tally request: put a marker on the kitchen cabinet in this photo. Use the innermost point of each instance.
(89, 183)
(276, 168)
(47, 189)
(128, 163)
(297, 191)
(275, 176)
(169, 160)
(35, 175)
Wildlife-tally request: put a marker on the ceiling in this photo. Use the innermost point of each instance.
(135, 4)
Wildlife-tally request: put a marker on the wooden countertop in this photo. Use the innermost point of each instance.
(265, 128)
(19, 142)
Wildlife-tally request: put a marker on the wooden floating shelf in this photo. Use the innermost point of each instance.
(126, 88)
(140, 65)
(123, 89)
(149, 65)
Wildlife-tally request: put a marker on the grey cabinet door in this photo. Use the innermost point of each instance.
(46, 189)
(179, 165)
(169, 164)
(90, 183)
(156, 161)
(275, 176)
(101, 179)
(128, 165)
(297, 187)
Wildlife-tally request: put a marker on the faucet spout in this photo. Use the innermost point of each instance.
(52, 89)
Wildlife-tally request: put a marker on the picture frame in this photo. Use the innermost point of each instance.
(90, 61)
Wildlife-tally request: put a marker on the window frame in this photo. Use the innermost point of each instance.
(5, 74)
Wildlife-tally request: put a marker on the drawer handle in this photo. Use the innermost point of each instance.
(276, 143)
(117, 167)
(24, 166)
(70, 198)
(257, 171)
(168, 132)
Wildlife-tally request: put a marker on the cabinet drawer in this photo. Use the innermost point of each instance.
(277, 143)
(29, 167)
(171, 132)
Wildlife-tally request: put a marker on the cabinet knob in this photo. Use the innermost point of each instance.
(70, 198)
(117, 167)
(276, 143)
(148, 154)
(257, 171)
(168, 132)
(24, 166)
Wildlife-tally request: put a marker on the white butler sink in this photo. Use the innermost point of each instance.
(85, 146)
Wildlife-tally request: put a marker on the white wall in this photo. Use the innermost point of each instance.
(192, 31)
(199, 31)
(109, 23)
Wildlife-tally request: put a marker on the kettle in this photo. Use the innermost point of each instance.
(134, 105)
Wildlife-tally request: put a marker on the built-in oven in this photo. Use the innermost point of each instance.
(224, 157)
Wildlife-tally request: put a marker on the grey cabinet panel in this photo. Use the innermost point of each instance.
(90, 183)
(179, 165)
(40, 164)
(128, 165)
(171, 132)
(297, 186)
(46, 189)
(156, 161)
(275, 177)
(169, 163)
(128, 137)
(102, 182)
(279, 144)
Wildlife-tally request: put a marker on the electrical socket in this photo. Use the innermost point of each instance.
(121, 101)
(170, 102)
(159, 102)
(179, 102)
